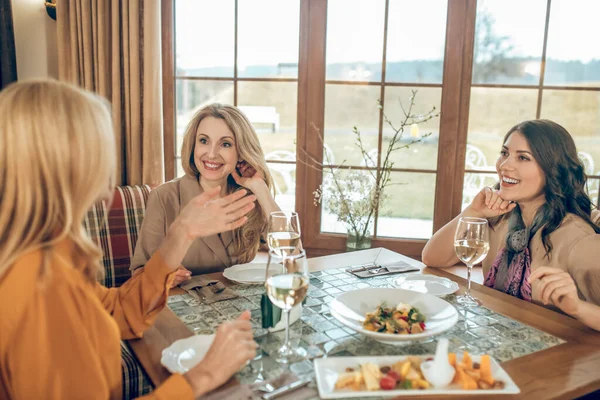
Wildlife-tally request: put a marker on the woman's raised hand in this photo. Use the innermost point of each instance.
(488, 203)
(248, 176)
(207, 214)
(203, 216)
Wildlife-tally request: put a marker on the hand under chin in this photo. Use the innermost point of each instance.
(503, 193)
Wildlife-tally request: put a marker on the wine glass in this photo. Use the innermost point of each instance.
(283, 236)
(471, 244)
(287, 285)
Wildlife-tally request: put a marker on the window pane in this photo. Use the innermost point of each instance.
(571, 58)
(272, 108)
(355, 185)
(347, 106)
(579, 112)
(407, 211)
(473, 182)
(268, 32)
(284, 178)
(420, 155)
(354, 39)
(195, 21)
(411, 56)
(191, 96)
(492, 113)
(508, 44)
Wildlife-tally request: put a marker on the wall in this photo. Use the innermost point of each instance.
(35, 40)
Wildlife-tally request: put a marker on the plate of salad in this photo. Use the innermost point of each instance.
(393, 316)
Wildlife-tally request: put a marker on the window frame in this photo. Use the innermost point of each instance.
(455, 102)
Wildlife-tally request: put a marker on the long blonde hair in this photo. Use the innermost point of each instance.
(247, 237)
(57, 157)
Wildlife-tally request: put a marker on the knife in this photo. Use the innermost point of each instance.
(287, 388)
(399, 266)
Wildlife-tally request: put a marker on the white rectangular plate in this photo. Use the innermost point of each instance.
(328, 369)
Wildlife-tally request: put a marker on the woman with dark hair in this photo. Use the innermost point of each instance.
(540, 215)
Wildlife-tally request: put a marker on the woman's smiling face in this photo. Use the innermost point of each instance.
(521, 177)
(215, 152)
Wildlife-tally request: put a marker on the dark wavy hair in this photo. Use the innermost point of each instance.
(554, 150)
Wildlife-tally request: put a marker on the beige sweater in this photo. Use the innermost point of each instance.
(576, 249)
(207, 254)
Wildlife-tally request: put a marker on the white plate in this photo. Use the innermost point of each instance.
(350, 308)
(425, 283)
(251, 273)
(328, 369)
(184, 354)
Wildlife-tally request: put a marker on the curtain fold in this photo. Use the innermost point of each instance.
(8, 58)
(113, 48)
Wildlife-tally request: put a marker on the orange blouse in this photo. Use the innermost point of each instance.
(59, 334)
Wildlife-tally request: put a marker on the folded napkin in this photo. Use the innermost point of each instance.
(371, 270)
(208, 291)
(252, 392)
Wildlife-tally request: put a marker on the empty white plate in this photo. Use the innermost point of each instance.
(251, 273)
(430, 284)
(185, 354)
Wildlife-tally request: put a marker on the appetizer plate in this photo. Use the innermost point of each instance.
(350, 308)
(250, 273)
(425, 283)
(327, 371)
(184, 354)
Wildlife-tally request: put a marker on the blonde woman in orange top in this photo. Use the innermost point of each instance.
(60, 329)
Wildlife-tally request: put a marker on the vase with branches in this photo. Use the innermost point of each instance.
(355, 195)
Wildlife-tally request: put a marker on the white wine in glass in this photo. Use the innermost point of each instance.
(287, 286)
(283, 243)
(287, 290)
(471, 251)
(471, 244)
(283, 236)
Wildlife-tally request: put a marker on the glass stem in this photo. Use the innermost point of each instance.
(286, 315)
(469, 269)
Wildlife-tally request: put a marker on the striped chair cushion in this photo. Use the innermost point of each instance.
(116, 232)
(135, 382)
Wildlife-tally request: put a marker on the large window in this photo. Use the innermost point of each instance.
(303, 70)
(370, 58)
(533, 64)
(242, 53)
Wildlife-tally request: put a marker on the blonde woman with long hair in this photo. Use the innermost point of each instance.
(220, 149)
(60, 329)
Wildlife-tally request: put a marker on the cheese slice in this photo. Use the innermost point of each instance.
(372, 376)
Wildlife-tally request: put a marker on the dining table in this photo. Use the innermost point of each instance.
(547, 354)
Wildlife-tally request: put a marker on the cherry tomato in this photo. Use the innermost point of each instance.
(393, 374)
(387, 383)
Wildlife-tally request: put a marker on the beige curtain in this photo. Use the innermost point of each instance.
(113, 47)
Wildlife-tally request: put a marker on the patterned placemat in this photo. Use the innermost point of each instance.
(479, 330)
